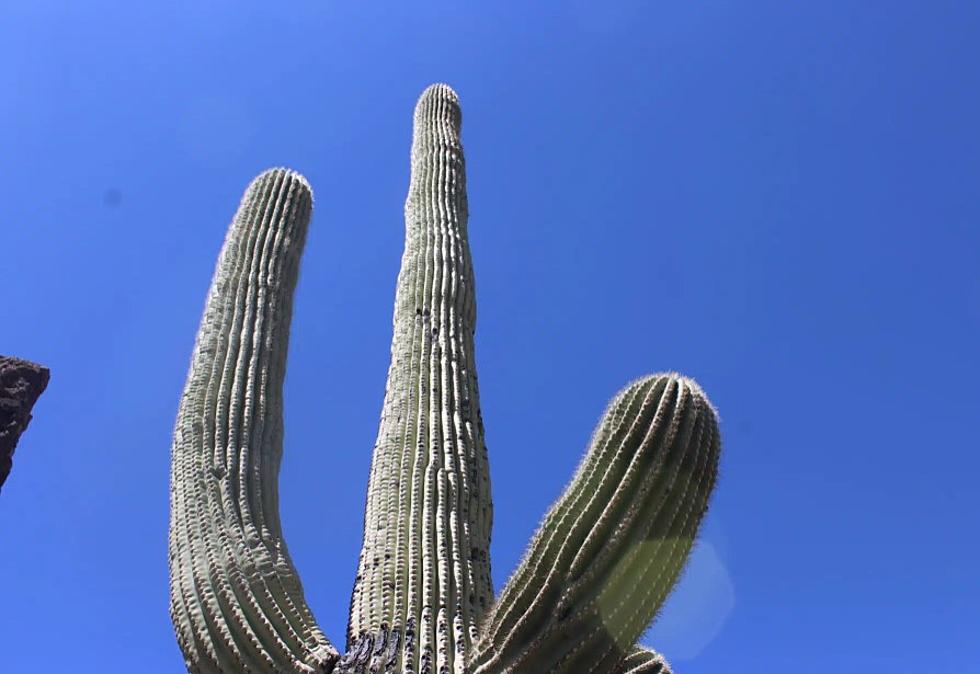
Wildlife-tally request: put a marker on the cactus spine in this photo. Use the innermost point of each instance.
(597, 570)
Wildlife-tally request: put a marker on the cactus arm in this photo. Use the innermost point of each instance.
(644, 661)
(611, 548)
(236, 600)
(21, 384)
(423, 579)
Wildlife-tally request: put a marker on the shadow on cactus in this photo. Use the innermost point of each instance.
(596, 571)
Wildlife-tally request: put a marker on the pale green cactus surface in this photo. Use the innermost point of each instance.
(599, 567)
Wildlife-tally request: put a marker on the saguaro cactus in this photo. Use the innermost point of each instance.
(598, 568)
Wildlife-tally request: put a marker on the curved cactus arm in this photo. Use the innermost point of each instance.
(423, 579)
(236, 600)
(611, 548)
(644, 661)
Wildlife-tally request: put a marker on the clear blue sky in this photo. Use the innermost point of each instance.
(777, 198)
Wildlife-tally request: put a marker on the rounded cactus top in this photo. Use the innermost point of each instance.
(439, 104)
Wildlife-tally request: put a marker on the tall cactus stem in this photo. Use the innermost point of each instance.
(611, 548)
(236, 600)
(424, 570)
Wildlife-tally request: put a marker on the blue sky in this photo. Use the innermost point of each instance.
(776, 198)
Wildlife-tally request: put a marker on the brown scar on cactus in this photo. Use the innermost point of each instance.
(600, 565)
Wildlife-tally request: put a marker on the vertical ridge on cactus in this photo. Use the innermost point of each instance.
(597, 570)
(236, 600)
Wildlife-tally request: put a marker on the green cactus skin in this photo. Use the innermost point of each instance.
(236, 601)
(612, 547)
(597, 570)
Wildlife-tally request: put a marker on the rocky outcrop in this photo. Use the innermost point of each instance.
(21, 383)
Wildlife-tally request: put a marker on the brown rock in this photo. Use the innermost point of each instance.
(21, 383)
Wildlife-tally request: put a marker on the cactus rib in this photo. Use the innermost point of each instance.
(236, 600)
(644, 661)
(424, 570)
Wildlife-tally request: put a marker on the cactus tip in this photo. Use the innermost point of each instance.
(285, 173)
(440, 92)
(439, 102)
(681, 380)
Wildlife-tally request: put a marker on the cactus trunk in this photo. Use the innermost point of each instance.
(423, 580)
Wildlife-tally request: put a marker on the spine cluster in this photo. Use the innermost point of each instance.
(424, 568)
(644, 661)
(235, 598)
